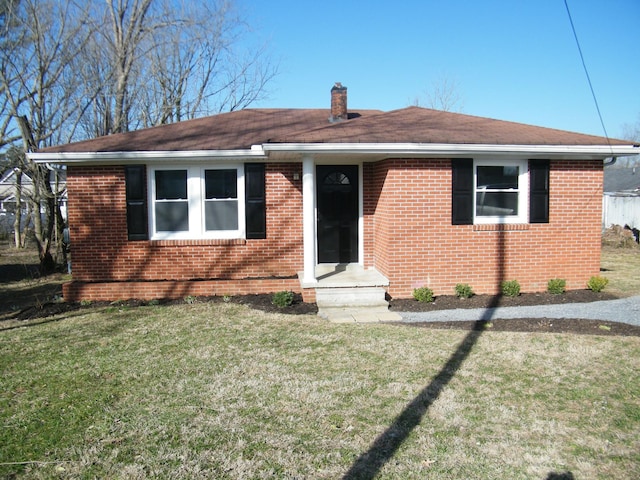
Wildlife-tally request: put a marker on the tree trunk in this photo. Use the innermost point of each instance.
(17, 230)
(61, 250)
(44, 233)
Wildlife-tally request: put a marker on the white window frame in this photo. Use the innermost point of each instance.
(196, 199)
(523, 191)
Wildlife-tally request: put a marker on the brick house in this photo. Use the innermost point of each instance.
(264, 200)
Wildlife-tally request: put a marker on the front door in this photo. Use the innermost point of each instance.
(338, 212)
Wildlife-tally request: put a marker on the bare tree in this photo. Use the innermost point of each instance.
(10, 39)
(73, 69)
(162, 62)
(43, 97)
(444, 94)
(631, 132)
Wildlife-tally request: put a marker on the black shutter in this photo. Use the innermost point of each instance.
(135, 180)
(539, 191)
(255, 201)
(462, 191)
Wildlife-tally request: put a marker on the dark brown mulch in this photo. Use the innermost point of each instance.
(450, 302)
(538, 325)
(550, 325)
(259, 302)
(263, 302)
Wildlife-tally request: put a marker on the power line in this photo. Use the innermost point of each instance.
(584, 65)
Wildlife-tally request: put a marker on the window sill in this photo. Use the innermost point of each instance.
(203, 242)
(500, 227)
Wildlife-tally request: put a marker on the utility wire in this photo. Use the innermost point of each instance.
(584, 65)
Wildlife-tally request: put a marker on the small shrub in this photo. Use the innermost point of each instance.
(597, 283)
(282, 299)
(464, 290)
(190, 299)
(153, 303)
(556, 286)
(510, 288)
(423, 294)
(85, 303)
(226, 298)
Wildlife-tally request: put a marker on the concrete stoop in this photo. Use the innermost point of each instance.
(354, 305)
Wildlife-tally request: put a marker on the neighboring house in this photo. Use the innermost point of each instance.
(264, 200)
(622, 179)
(8, 190)
(621, 200)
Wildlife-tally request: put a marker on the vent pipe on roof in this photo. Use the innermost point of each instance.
(338, 103)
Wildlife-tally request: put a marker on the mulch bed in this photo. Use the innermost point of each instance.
(259, 302)
(538, 325)
(550, 325)
(450, 302)
(445, 302)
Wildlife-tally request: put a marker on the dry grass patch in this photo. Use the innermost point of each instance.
(220, 391)
(621, 266)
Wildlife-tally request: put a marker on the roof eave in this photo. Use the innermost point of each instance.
(373, 151)
(446, 150)
(123, 158)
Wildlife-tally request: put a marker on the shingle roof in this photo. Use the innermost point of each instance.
(421, 125)
(244, 128)
(622, 179)
(226, 131)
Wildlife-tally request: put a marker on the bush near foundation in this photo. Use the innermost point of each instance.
(423, 294)
(556, 286)
(597, 283)
(464, 290)
(510, 288)
(282, 299)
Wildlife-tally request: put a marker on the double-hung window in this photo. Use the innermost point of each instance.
(501, 189)
(171, 203)
(221, 200)
(491, 191)
(197, 202)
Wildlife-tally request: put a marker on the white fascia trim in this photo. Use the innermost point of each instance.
(72, 158)
(455, 150)
(261, 152)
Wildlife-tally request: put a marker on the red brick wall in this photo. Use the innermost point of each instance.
(409, 213)
(102, 255)
(408, 237)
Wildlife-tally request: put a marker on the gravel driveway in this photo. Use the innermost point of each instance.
(624, 310)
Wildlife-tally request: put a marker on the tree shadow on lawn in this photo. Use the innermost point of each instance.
(560, 476)
(383, 449)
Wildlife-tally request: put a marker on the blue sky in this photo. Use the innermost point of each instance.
(513, 60)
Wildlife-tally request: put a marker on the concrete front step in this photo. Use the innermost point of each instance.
(338, 297)
(350, 293)
(359, 315)
(354, 304)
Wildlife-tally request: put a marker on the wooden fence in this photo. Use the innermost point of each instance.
(621, 209)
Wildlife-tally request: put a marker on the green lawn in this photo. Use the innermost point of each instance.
(220, 391)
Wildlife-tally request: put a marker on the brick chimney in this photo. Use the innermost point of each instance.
(338, 103)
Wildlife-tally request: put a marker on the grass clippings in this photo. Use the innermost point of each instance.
(217, 390)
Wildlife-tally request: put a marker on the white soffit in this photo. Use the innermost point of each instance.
(120, 158)
(433, 150)
(373, 151)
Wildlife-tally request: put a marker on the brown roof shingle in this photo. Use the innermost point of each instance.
(421, 125)
(243, 128)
